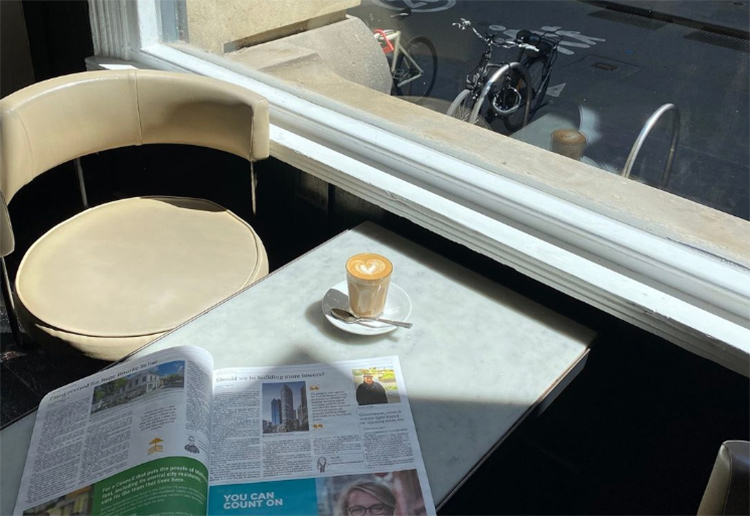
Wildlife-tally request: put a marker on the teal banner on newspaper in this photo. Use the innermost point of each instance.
(280, 498)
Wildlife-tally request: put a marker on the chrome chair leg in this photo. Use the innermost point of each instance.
(10, 307)
(81, 183)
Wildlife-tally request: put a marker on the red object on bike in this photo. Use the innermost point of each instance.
(388, 45)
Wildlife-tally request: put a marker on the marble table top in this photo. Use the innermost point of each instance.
(478, 360)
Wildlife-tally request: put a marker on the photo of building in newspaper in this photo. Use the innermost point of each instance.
(78, 502)
(285, 407)
(140, 385)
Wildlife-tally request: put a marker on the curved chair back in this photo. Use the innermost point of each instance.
(61, 119)
(728, 488)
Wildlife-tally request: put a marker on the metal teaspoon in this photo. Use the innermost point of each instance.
(349, 318)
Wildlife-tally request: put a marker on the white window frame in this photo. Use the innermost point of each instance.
(697, 301)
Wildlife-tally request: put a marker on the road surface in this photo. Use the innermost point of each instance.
(613, 71)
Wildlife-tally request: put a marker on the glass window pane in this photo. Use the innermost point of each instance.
(595, 77)
(601, 74)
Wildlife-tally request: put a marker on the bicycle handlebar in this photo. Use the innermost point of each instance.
(490, 40)
(466, 23)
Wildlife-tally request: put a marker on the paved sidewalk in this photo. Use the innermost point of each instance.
(725, 16)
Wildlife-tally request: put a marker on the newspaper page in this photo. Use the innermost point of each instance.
(132, 439)
(318, 439)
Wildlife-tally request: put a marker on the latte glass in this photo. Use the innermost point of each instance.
(569, 143)
(368, 276)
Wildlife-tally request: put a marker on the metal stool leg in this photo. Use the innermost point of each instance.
(81, 183)
(11, 308)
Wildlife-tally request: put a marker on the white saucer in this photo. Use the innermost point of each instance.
(397, 308)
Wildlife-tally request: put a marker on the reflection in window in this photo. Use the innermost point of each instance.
(598, 77)
(611, 70)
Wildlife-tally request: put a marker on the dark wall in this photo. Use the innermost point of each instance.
(59, 36)
(15, 58)
(52, 38)
(41, 40)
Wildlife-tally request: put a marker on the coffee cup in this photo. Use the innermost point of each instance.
(368, 276)
(569, 142)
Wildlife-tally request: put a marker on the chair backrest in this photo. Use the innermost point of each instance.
(61, 119)
(728, 488)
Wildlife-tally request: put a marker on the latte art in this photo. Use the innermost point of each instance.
(368, 276)
(369, 266)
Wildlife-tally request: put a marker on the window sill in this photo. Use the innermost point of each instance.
(678, 273)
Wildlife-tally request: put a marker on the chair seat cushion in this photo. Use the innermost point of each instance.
(138, 267)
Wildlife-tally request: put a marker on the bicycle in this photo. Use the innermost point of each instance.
(507, 87)
(414, 65)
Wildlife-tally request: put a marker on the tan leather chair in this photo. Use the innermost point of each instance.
(118, 275)
(728, 488)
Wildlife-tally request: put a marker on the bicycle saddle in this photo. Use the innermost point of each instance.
(543, 43)
(526, 36)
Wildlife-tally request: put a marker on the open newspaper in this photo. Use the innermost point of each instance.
(165, 434)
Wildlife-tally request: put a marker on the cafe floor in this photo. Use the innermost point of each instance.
(636, 433)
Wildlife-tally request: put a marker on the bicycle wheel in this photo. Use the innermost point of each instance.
(461, 108)
(416, 69)
(514, 121)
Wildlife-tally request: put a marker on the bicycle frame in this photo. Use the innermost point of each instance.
(481, 81)
(501, 73)
(480, 70)
(392, 38)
